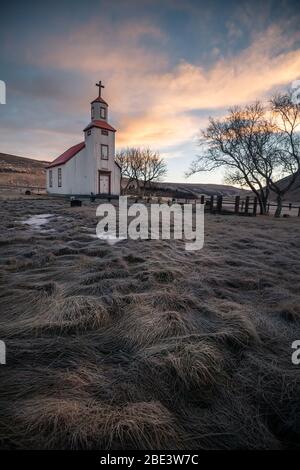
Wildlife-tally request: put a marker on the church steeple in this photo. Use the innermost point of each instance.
(99, 84)
(99, 107)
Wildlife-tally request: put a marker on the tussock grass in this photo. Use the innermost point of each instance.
(76, 313)
(146, 326)
(189, 364)
(289, 311)
(237, 330)
(142, 345)
(83, 424)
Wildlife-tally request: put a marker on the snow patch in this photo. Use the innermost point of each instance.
(109, 237)
(37, 221)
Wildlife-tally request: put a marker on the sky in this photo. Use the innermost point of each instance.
(166, 65)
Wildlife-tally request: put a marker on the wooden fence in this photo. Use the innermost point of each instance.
(243, 206)
(216, 204)
(224, 205)
(247, 206)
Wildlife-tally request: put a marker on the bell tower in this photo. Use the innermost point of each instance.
(99, 140)
(99, 107)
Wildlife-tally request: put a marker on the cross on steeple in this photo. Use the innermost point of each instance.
(99, 84)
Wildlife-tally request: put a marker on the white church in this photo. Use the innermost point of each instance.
(90, 166)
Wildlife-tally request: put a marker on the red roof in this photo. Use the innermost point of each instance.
(99, 100)
(101, 124)
(67, 155)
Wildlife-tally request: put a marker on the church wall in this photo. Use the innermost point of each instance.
(80, 174)
(74, 176)
(81, 169)
(94, 142)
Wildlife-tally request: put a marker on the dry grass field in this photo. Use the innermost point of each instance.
(143, 345)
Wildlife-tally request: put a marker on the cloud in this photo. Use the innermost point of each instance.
(187, 88)
(236, 80)
(103, 45)
(152, 100)
(39, 144)
(157, 130)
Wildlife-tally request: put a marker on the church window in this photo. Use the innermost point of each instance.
(89, 132)
(104, 152)
(59, 177)
(102, 113)
(92, 112)
(104, 132)
(50, 179)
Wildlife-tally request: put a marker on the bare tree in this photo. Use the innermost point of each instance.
(141, 165)
(130, 164)
(153, 167)
(121, 159)
(242, 143)
(286, 115)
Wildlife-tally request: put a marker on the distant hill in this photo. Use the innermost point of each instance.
(186, 190)
(294, 194)
(21, 172)
(226, 190)
(201, 188)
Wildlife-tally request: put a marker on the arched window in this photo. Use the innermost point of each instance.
(102, 113)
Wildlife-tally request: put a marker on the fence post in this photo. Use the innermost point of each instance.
(202, 200)
(298, 211)
(219, 203)
(211, 203)
(290, 206)
(237, 204)
(268, 208)
(247, 205)
(255, 206)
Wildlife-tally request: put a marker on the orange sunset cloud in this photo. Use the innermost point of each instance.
(152, 99)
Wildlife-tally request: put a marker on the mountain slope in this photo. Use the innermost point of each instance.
(201, 188)
(21, 172)
(294, 193)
